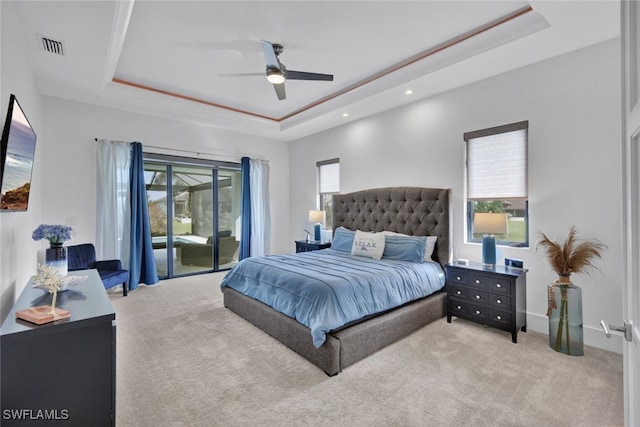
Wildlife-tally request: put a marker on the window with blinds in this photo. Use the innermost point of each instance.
(497, 179)
(328, 185)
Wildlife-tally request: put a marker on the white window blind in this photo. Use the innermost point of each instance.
(497, 166)
(329, 177)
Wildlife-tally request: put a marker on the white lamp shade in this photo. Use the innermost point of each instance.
(316, 216)
(490, 223)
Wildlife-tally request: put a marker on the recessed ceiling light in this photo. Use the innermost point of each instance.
(408, 92)
(345, 114)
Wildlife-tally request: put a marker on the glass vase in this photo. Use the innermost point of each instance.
(56, 255)
(565, 319)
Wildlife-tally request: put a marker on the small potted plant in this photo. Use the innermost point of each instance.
(565, 299)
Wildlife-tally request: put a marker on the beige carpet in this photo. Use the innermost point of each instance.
(185, 360)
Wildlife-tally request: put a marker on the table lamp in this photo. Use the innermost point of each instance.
(489, 224)
(318, 218)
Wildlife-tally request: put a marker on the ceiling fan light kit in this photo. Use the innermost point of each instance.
(275, 75)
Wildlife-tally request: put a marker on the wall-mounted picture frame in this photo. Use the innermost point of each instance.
(17, 155)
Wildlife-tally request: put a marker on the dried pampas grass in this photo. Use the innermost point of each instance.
(574, 256)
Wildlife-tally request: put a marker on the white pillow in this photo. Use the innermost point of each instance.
(369, 245)
(429, 247)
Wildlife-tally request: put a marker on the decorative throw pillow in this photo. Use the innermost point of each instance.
(343, 239)
(369, 245)
(429, 248)
(404, 248)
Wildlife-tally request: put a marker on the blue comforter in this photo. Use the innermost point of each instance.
(327, 289)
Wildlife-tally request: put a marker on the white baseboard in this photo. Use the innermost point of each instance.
(593, 336)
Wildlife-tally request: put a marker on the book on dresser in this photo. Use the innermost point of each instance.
(494, 296)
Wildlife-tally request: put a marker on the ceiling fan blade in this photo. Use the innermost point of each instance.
(270, 54)
(280, 91)
(302, 75)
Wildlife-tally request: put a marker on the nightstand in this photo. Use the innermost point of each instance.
(496, 296)
(312, 245)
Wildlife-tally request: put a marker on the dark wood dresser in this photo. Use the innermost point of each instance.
(494, 296)
(60, 373)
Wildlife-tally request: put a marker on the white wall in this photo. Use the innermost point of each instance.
(17, 250)
(572, 103)
(70, 186)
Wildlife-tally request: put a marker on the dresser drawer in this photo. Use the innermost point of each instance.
(478, 297)
(459, 292)
(478, 311)
(478, 281)
(500, 317)
(459, 308)
(499, 301)
(459, 277)
(500, 284)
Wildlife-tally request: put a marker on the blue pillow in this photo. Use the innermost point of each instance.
(343, 239)
(404, 248)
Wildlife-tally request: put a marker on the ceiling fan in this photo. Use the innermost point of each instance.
(277, 73)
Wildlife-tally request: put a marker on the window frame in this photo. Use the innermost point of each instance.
(322, 196)
(469, 205)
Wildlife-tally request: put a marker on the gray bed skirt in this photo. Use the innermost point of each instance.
(342, 347)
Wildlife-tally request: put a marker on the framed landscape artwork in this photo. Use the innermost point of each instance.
(18, 150)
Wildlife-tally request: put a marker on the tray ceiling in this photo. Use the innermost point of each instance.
(179, 59)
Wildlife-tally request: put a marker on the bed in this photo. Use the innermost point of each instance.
(412, 211)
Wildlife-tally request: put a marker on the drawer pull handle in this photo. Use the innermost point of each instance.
(477, 296)
(478, 281)
(498, 285)
(499, 301)
(459, 307)
(458, 293)
(458, 278)
(499, 317)
(477, 311)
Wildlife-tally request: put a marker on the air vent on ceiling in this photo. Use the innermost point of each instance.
(51, 45)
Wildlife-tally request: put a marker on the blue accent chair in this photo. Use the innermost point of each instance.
(83, 257)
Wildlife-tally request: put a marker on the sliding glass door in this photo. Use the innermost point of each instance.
(193, 215)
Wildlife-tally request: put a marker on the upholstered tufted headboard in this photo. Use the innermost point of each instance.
(409, 210)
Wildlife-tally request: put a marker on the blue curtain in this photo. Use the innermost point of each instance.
(142, 264)
(245, 236)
